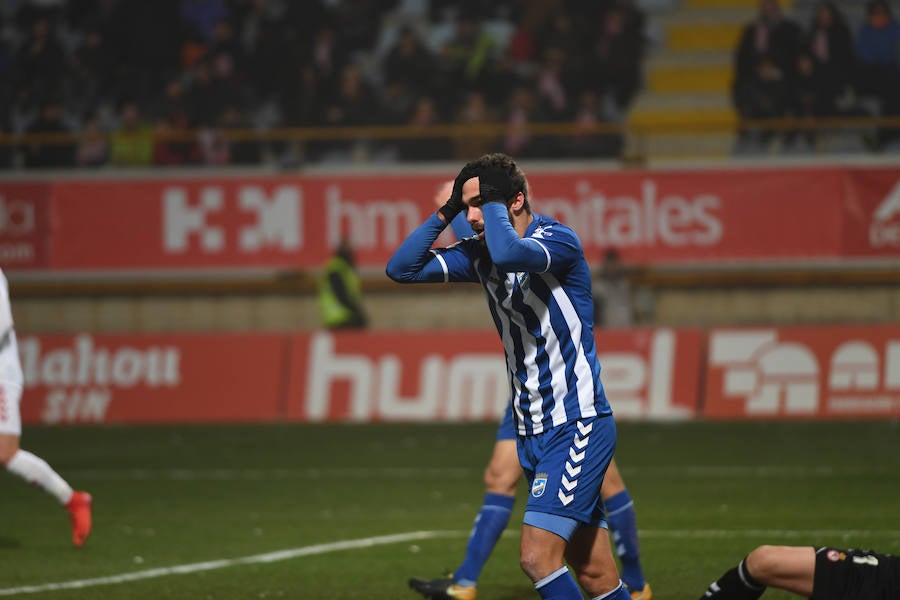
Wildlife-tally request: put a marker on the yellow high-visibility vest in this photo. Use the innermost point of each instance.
(334, 313)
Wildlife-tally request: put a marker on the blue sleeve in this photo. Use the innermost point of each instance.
(461, 227)
(415, 262)
(555, 249)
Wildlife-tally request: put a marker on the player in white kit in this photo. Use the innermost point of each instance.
(22, 463)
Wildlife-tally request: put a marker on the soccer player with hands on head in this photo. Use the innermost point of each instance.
(501, 480)
(538, 290)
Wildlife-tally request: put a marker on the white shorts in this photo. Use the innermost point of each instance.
(10, 419)
(11, 385)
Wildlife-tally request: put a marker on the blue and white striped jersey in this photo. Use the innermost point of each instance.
(542, 308)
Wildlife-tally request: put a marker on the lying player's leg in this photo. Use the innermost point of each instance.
(789, 568)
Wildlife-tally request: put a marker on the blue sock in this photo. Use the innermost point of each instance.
(559, 585)
(620, 593)
(489, 524)
(623, 525)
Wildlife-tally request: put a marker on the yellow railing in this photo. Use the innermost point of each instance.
(635, 132)
(293, 282)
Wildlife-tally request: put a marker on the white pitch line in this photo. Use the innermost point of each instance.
(268, 557)
(773, 535)
(262, 474)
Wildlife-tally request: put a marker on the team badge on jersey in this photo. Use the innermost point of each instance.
(524, 280)
(539, 485)
(542, 231)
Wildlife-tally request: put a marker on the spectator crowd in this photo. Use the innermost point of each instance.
(162, 82)
(825, 70)
(227, 82)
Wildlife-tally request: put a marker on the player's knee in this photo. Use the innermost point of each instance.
(9, 445)
(763, 563)
(591, 578)
(598, 584)
(536, 563)
(597, 577)
(498, 480)
(531, 564)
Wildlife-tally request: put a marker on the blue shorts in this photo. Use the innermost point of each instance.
(565, 466)
(507, 429)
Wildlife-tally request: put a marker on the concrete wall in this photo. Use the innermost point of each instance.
(441, 307)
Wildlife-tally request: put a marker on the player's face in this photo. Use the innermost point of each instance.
(473, 214)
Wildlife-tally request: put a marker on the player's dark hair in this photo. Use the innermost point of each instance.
(505, 162)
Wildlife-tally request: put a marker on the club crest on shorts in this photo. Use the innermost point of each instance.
(539, 485)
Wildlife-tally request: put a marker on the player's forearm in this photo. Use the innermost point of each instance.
(461, 227)
(411, 259)
(508, 251)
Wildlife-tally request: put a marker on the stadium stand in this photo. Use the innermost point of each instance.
(688, 79)
(238, 83)
(217, 82)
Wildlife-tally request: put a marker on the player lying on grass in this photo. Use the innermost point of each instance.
(819, 574)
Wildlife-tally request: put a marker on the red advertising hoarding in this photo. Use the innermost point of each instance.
(709, 215)
(24, 225)
(828, 372)
(365, 377)
(151, 378)
(295, 221)
(803, 373)
(427, 376)
(872, 213)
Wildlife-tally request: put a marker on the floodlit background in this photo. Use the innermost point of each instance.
(177, 173)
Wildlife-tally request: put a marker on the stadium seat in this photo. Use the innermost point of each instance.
(686, 107)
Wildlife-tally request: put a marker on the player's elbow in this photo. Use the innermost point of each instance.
(506, 266)
(504, 259)
(396, 272)
(511, 263)
(508, 257)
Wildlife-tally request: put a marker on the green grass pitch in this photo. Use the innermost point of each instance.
(165, 497)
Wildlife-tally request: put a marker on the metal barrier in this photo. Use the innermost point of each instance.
(634, 134)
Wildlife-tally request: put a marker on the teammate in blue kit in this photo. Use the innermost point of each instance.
(538, 288)
(501, 479)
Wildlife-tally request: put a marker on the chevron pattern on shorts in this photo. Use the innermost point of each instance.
(569, 480)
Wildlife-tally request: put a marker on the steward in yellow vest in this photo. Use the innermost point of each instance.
(339, 291)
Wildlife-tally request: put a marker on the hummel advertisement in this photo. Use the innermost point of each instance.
(658, 374)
